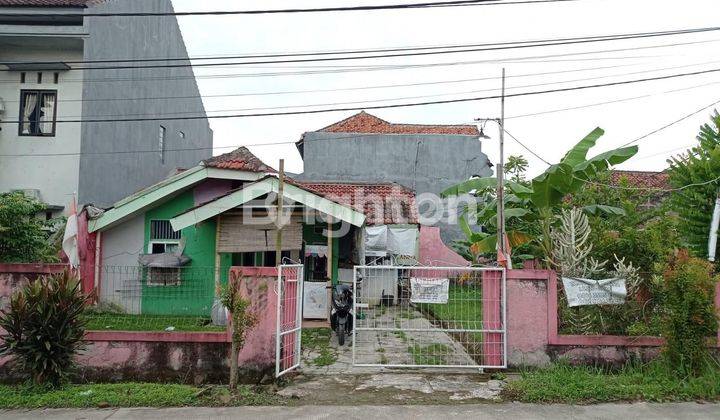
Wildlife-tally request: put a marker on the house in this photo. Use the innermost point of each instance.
(46, 80)
(654, 184)
(423, 158)
(168, 248)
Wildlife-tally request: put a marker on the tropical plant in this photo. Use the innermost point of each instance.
(530, 210)
(689, 315)
(24, 236)
(44, 327)
(515, 168)
(699, 167)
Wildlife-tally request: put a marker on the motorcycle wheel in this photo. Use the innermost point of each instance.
(341, 335)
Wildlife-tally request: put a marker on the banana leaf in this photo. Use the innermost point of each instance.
(479, 184)
(595, 209)
(578, 154)
(489, 244)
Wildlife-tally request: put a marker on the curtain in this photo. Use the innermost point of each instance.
(28, 110)
(47, 114)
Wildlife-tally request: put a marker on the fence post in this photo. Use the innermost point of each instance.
(492, 317)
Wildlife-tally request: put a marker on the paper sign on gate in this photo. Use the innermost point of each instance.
(429, 290)
(594, 292)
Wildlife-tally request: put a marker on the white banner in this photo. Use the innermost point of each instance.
(429, 290)
(594, 292)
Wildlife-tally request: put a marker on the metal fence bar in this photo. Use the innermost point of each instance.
(289, 318)
(417, 316)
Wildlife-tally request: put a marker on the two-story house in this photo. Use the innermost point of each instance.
(60, 132)
(424, 158)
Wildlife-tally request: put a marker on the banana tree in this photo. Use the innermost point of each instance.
(530, 209)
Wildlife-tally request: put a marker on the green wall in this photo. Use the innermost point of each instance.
(195, 294)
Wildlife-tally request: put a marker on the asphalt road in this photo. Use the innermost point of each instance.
(514, 411)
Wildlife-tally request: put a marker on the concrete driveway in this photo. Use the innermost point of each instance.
(513, 411)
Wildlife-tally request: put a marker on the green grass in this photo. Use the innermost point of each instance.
(130, 395)
(317, 340)
(562, 383)
(463, 310)
(433, 354)
(127, 322)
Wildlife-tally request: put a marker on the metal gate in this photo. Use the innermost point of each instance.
(429, 317)
(289, 318)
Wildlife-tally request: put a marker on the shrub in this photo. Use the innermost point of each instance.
(23, 236)
(44, 328)
(689, 315)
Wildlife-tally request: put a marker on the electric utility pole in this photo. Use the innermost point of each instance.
(279, 221)
(500, 169)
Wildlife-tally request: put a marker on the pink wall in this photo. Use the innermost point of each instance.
(533, 337)
(433, 250)
(527, 317)
(210, 189)
(257, 284)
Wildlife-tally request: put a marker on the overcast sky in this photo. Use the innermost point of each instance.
(549, 135)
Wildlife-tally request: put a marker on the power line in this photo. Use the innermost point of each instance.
(402, 105)
(386, 66)
(614, 101)
(630, 188)
(369, 101)
(457, 3)
(453, 49)
(670, 124)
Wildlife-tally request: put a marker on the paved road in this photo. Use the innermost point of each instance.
(514, 411)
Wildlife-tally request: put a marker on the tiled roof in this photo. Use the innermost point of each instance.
(47, 3)
(382, 204)
(240, 159)
(641, 179)
(366, 123)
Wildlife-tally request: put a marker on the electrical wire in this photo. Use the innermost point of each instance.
(457, 3)
(369, 101)
(387, 67)
(389, 106)
(399, 55)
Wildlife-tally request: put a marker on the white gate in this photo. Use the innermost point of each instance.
(429, 317)
(289, 318)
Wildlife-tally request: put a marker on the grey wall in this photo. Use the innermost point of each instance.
(106, 178)
(424, 163)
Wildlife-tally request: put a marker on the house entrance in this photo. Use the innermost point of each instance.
(429, 317)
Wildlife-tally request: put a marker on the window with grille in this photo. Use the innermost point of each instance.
(162, 230)
(163, 239)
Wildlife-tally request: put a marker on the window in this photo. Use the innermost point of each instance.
(39, 78)
(22, 77)
(163, 240)
(56, 77)
(38, 112)
(161, 144)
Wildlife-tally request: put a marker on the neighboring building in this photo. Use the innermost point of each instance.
(654, 183)
(424, 158)
(100, 161)
(166, 249)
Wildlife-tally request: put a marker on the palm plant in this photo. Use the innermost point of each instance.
(530, 210)
(699, 167)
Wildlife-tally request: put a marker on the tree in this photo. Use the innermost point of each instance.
(515, 168)
(531, 209)
(694, 205)
(23, 236)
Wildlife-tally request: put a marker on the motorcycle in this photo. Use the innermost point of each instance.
(341, 319)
